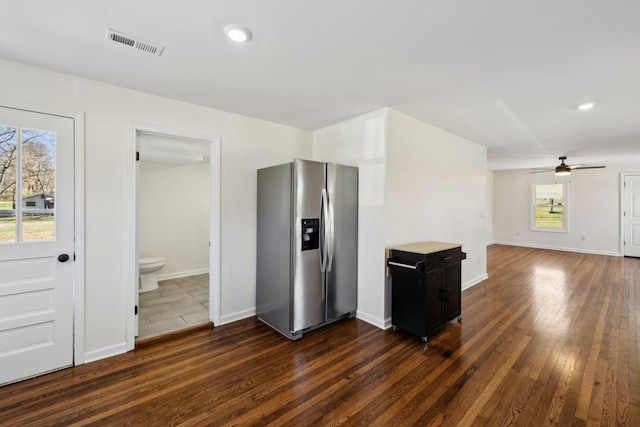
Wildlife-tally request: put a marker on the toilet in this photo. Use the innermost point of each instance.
(147, 270)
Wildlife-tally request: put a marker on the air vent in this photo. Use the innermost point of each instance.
(134, 42)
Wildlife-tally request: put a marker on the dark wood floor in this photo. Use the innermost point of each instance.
(550, 339)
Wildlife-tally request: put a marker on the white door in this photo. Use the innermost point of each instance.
(36, 243)
(632, 215)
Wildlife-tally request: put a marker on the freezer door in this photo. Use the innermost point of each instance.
(273, 271)
(308, 289)
(342, 277)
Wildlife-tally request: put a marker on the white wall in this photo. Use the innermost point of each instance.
(489, 215)
(593, 210)
(435, 189)
(173, 216)
(418, 183)
(247, 144)
(361, 142)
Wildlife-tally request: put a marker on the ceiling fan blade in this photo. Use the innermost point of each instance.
(541, 170)
(587, 167)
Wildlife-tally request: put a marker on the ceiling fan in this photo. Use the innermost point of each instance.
(563, 169)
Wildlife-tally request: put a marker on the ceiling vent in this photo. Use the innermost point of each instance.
(134, 42)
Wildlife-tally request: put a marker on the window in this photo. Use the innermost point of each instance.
(21, 188)
(549, 212)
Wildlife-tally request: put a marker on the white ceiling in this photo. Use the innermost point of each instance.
(504, 73)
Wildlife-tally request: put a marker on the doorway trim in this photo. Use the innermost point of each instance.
(623, 175)
(78, 213)
(214, 229)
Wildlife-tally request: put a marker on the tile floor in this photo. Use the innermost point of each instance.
(176, 304)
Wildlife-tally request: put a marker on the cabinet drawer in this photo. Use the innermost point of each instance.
(406, 260)
(443, 259)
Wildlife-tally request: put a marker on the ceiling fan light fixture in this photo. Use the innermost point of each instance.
(237, 33)
(563, 170)
(585, 106)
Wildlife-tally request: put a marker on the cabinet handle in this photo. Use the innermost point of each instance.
(447, 258)
(397, 264)
(418, 266)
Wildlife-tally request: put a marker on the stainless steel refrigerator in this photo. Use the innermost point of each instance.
(307, 251)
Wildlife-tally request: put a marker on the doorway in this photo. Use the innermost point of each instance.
(630, 215)
(175, 209)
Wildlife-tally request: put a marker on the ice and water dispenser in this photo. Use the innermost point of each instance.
(310, 234)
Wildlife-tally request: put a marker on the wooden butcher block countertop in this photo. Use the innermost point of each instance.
(425, 247)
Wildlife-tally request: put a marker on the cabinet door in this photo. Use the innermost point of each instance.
(407, 301)
(451, 292)
(433, 300)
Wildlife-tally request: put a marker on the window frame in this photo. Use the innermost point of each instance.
(565, 208)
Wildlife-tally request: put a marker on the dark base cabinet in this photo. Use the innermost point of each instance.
(426, 288)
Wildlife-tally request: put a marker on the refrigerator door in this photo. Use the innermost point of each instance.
(273, 278)
(308, 308)
(342, 277)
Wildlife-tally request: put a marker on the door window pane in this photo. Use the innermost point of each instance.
(8, 154)
(38, 185)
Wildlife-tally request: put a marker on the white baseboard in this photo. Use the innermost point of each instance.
(372, 320)
(558, 248)
(103, 353)
(180, 274)
(474, 281)
(229, 318)
(239, 315)
(387, 323)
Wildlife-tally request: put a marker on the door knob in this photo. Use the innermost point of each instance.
(63, 257)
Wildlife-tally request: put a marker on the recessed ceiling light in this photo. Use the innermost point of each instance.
(237, 33)
(586, 106)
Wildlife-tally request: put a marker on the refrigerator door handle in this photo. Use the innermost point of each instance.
(324, 219)
(322, 243)
(330, 227)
